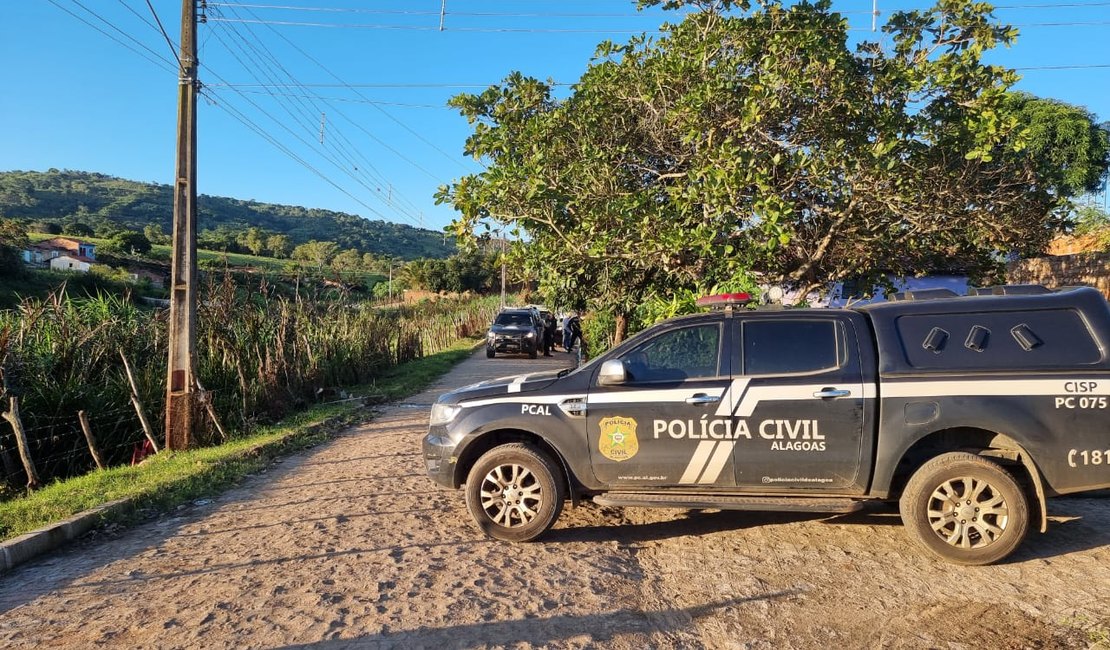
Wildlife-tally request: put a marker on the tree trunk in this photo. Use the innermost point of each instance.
(621, 330)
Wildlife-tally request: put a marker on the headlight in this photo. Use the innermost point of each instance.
(530, 335)
(490, 335)
(443, 413)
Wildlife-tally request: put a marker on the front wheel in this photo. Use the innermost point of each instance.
(965, 509)
(515, 493)
(490, 353)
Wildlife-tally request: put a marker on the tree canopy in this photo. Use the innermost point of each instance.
(754, 138)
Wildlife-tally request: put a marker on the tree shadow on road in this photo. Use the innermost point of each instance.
(587, 629)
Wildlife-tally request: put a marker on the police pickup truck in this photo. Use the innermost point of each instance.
(969, 411)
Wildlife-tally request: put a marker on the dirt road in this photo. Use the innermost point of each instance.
(350, 545)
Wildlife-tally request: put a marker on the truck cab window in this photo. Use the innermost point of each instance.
(687, 353)
(779, 346)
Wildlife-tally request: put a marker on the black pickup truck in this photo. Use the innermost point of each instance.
(968, 410)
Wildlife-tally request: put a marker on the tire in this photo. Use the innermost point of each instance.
(490, 353)
(533, 353)
(539, 488)
(965, 509)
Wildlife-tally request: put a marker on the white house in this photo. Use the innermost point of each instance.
(70, 263)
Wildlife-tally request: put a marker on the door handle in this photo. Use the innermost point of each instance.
(702, 398)
(825, 393)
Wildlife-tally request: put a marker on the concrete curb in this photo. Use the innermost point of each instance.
(25, 547)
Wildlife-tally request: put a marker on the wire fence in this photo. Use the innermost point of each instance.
(262, 354)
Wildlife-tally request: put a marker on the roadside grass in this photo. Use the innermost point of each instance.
(167, 480)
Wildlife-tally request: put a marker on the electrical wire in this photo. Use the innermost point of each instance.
(378, 108)
(156, 59)
(350, 164)
(498, 30)
(350, 151)
(350, 100)
(173, 48)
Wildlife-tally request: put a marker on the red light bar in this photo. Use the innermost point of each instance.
(722, 300)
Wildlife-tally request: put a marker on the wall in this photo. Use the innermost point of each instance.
(1090, 269)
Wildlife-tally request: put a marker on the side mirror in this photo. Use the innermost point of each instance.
(611, 373)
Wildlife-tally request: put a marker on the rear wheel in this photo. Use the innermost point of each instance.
(515, 493)
(965, 509)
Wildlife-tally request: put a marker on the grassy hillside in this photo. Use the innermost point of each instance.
(94, 199)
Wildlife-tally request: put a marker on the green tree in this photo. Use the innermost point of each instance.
(134, 243)
(13, 239)
(254, 240)
(469, 271)
(319, 253)
(47, 227)
(153, 233)
(1068, 149)
(749, 139)
(348, 260)
(280, 246)
(77, 229)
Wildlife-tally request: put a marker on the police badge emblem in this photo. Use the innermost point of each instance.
(618, 438)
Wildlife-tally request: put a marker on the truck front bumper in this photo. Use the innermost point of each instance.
(439, 456)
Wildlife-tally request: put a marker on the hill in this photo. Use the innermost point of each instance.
(97, 199)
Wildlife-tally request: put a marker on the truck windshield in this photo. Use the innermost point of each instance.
(513, 319)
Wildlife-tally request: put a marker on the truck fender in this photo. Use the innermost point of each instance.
(1015, 452)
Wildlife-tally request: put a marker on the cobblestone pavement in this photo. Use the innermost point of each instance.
(351, 545)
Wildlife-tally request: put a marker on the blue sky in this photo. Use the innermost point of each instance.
(75, 98)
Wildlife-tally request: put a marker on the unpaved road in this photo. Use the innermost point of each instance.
(350, 545)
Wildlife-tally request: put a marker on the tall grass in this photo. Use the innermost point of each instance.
(261, 353)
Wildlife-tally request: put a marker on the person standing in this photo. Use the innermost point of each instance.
(572, 332)
(548, 334)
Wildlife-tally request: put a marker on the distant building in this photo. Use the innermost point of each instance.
(157, 280)
(77, 263)
(44, 252)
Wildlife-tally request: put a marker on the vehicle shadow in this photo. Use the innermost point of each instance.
(599, 628)
(690, 522)
(1075, 525)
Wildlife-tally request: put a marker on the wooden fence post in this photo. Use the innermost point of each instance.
(206, 400)
(138, 404)
(87, 430)
(12, 416)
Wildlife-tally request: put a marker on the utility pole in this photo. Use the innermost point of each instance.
(181, 380)
(502, 268)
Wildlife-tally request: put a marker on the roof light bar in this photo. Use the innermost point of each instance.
(724, 300)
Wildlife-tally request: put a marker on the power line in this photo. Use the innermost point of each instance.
(298, 158)
(310, 114)
(349, 100)
(1065, 5)
(238, 115)
(366, 85)
(410, 12)
(493, 29)
(173, 48)
(1080, 66)
(378, 108)
(153, 57)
